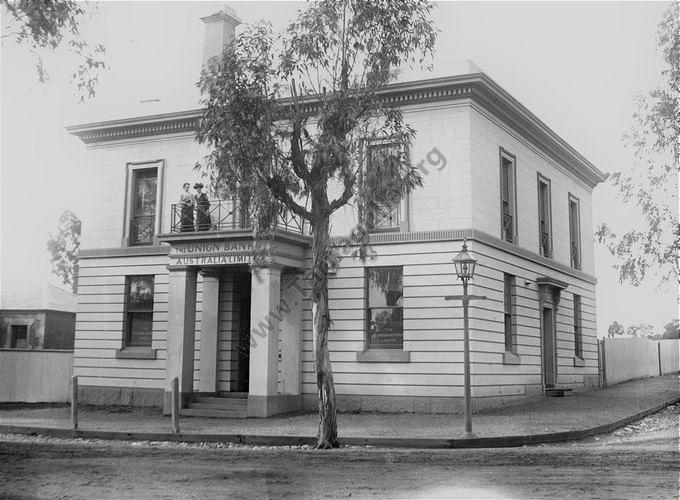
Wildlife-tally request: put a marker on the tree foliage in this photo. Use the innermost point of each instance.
(289, 118)
(653, 182)
(640, 330)
(615, 329)
(48, 25)
(63, 246)
(671, 330)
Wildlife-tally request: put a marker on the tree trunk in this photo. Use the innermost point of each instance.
(328, 426)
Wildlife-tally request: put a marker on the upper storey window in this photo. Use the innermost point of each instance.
(508, 206)
(383, 211)
(544, 217)
(143, 215)
(142, 221)
(574, 232)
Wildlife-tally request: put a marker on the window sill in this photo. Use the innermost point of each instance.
(384, 356)
(579, 361)
(136, 353)
(510, 358)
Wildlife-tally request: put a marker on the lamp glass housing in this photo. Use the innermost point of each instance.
(464, 263)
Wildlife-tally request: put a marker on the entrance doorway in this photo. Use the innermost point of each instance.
(549, 352)
(233, 346)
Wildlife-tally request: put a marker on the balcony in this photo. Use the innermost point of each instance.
(142, 230)
(575, 255)
(226, 215)
(508, 228)
(384, 217)
(546, 244)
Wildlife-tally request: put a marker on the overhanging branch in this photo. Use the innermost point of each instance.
(279, 191)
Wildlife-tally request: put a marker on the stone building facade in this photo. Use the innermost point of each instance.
(158, 300)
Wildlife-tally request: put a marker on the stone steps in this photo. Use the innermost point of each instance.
(212, 413)
(231, 405)
(557, 392)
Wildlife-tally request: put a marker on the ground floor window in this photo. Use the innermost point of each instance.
(384, 311)
(139, 311)
(578, 330)
(19, 337)
(508, 312)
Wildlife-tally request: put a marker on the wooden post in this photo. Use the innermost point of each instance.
(175, 405)
(74, 401)
(603, 352)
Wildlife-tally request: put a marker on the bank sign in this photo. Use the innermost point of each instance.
(207, 253)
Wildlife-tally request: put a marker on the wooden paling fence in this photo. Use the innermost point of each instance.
(633, 358)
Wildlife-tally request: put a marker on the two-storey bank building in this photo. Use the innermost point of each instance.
(162, 298)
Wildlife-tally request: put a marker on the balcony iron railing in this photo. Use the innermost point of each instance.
(545, 244)
(384, 216)
(225, 215)
(575, 253)
(508, 228)
(142, 229)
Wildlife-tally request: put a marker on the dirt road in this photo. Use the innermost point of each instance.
(639, 461)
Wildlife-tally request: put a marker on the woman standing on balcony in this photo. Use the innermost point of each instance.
(186, 203)
(202, 208)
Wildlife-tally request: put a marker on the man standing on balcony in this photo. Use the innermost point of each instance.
(202, 208)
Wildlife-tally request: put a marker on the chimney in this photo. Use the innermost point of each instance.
(219, 31)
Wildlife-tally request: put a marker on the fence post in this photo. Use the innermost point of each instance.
(658, 350)
(74, 401)
(603, 363)
(175, 405)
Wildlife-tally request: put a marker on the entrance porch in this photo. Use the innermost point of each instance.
(233, 337)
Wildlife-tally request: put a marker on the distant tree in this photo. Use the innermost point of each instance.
(653, 183)
(640, 330)
(49, 25)
(288, 129)
(671, 330)
(64, 246)
(615, 329)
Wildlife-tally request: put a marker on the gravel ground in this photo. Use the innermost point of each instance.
(577, 411)
(637, 461)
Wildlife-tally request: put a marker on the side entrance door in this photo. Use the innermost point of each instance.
(549, 351)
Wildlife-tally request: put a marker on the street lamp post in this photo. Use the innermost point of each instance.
(465, 270)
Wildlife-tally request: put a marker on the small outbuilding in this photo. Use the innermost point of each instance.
(37, 316)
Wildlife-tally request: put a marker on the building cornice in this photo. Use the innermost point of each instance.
(142, 126)
(445, 235)
(476, 87)
(377, 239)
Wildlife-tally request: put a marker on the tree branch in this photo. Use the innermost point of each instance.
(297, 155)
(279, 191)
(346, 195)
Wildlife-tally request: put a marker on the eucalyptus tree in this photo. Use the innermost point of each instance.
(63, 247)
(288, 120)
(652, 183)
(54, 26)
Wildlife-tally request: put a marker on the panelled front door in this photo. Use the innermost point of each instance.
(549, 353)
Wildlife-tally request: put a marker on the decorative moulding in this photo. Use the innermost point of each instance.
(478, 87)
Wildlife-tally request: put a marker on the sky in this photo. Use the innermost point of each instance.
(575, 65)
